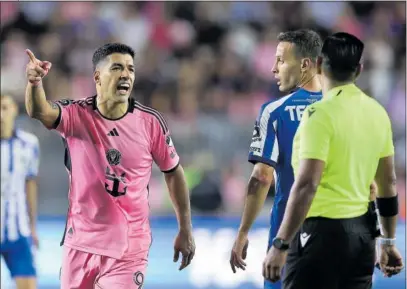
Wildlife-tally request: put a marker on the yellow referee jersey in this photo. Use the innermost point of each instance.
(350, 132)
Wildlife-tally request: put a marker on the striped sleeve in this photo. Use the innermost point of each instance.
(64, 123)
(69, 117)
(264, 145)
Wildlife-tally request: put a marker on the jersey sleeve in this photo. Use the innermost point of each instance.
(64, 123)
(388, 148)
(34, 161)
(264, 145)
(315, 134)
(163, 150)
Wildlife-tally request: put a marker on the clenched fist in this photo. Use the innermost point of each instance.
(36, 69)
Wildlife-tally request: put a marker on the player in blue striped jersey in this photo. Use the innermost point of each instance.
(19, 168)
(274, 130)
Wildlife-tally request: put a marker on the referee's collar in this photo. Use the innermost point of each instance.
(338, 90)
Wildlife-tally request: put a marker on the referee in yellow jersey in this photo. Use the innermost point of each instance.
(343, 144)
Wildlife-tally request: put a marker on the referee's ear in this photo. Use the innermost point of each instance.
(359, 69)
(319, 65)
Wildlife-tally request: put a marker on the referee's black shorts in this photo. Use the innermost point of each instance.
(332, 254)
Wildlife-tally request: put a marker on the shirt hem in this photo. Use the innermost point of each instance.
(386, 155)
(336, 217)
(171, 170)
(309, 156)
(257, 159)
(94, 251)
(103, 252)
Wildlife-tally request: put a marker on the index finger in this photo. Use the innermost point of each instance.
(176, 255)
(275, 274)
(31, 55)
(232, 263)
(184, 261)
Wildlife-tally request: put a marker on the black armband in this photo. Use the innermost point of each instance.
(388, 207)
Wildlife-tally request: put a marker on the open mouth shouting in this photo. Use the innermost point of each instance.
(123, 88)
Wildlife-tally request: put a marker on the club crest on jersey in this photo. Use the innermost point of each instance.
(138, 278)
(311, 111)
(114, 157)
(256, 133)
(169, 142)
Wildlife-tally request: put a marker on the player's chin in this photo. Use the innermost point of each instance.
(285, 88)
(282, 88)
(122, 96)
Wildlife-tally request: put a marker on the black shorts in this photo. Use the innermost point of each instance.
(331, 254)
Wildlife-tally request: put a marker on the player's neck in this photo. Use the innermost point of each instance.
(6, 132)
(311, 83)
(111, 109)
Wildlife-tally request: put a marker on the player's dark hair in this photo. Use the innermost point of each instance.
(104, 51)
(307, 42)
(341, 54)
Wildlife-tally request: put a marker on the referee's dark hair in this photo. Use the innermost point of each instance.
(340, 56)
(307, 43)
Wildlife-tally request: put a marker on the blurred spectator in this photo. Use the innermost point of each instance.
(205, 65)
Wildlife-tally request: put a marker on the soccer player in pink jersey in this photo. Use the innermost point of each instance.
(111, 142)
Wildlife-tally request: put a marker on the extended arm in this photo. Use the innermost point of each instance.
(38, 107)
(36, 103)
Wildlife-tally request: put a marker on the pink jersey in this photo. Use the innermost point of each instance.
(109, 164)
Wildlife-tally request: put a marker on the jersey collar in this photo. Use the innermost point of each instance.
(129, 109)
(340, 89)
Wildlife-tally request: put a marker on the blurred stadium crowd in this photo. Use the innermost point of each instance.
(206, 66)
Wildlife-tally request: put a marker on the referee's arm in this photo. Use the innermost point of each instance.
(301, 197)
(387, 200)
(387, 196)
(390, 260)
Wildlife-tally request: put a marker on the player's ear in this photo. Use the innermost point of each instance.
(319, 65)
(96, 76)
(305, 64)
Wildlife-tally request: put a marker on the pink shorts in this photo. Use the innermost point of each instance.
(82, 270)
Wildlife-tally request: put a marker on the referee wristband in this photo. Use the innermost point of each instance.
(388, 207)
(387, 241)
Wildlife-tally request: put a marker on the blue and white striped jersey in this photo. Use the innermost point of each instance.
(272, 143)
(19, 162)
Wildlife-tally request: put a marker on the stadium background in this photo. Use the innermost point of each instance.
(206, 67)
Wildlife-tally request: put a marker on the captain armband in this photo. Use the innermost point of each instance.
(388, 207)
